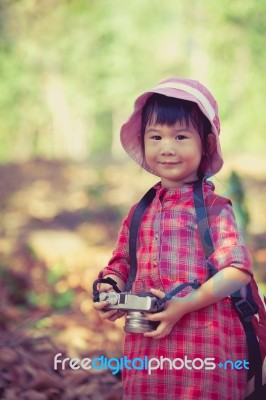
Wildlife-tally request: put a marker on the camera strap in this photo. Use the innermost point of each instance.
(96, 292)
(168, 296)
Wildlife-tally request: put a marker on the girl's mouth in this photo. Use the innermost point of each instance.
(170, 163)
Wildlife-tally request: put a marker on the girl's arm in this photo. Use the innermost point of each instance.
(223, 284)
(117, 269)
(118, 266)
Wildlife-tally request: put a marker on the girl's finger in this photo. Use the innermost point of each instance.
(100, 305)
(162, 331)
(155, 333)
(154, 317)
(107, 314)
(158, 293)
(117, 315)
(104, 287)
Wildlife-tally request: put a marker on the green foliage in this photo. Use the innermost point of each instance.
(55, 274)
(262, 287)
(237, 195)
(69, 67)
(62, 301)
(23, 292)
(52, 298)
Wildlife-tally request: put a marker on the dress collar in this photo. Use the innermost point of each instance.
(184, 191)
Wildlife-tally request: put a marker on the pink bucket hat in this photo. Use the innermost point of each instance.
(185, 89)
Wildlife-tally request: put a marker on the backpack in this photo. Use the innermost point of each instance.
(251, 309)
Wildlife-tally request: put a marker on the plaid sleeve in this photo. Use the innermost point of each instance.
(230, 249)
(119, 263)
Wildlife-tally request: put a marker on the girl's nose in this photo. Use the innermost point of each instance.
(167, 148)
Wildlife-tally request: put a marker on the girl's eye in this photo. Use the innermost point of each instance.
(156, 137)
(181, 137)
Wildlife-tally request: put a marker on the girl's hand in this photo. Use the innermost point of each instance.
(172, 313)
(110, 315)
(221, 285)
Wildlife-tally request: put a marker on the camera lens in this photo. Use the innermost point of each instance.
(136, 322)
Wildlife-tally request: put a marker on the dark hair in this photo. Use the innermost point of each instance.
(166, 110)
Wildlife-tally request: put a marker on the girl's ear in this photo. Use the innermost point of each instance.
(211, 143)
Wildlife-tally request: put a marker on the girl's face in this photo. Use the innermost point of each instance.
(173, 152)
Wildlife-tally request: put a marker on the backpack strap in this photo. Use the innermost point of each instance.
(203, 224)
(133, 223)
(245, 308)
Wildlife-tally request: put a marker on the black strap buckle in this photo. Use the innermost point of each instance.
(245, 310)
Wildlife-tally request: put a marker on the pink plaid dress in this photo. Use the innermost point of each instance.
(169, 253)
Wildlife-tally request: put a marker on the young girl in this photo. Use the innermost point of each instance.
(174, 134)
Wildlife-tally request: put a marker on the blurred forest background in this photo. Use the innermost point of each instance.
(69, 72)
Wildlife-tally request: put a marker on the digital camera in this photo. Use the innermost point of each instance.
(134, 305)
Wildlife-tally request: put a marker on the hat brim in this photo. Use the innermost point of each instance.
(130, 133)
